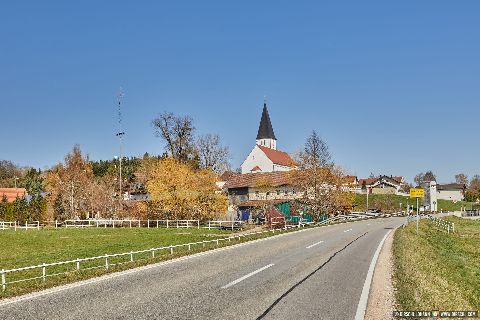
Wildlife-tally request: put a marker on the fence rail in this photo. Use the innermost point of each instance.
(125, 223)
(18, 225)
(106, 261)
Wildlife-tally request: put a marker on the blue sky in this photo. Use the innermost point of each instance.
(392, 86)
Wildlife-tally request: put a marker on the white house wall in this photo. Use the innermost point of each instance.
(453, 195)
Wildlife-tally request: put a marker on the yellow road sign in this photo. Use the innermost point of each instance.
(416, 193)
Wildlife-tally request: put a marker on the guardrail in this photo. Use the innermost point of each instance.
(442, 224)
(108, 260)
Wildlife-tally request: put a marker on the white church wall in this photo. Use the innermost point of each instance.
(257, 158)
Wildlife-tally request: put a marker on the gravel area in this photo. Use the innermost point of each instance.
(381, 300)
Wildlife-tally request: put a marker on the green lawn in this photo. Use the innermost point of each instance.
(436, 270)
(391, 202)
(33, 247)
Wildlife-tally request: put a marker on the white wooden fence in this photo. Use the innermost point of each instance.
(4, 225)
(126, 223)
(442, 224)
(105, 261)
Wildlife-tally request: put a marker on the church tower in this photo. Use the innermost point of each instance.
(265, 135)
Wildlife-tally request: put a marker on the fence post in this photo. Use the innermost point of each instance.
(171, 250)
(198, 224)
(453, 227)
(148, 223)
(131, 256)
(153, 253)
(208, 224)
(4, 283)
(157, 224)
(26, 225)
(44, 272)
(189, 247)
(113, 224)
(78, 264)
(38, 225)
(56, 224)
(167, 223)
(106, 261)
(139, 223)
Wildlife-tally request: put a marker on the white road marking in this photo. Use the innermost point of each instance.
(347, 230)
(247, 276)
(313, 245)
(362, 304)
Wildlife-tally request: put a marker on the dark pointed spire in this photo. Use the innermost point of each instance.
(265, 130)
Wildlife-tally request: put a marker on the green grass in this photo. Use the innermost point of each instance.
(26, 248)
(436, 270)
(391, 202)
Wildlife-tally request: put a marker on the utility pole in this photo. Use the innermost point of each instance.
(120, 135)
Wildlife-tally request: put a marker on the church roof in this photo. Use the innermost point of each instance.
(278, 157)
(265, 130)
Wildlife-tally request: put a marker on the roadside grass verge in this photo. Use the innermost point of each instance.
(391, 202)
(436, 270)
(21, 249)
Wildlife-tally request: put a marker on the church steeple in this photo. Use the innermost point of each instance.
(265, 135)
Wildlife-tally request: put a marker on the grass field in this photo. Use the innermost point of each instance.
(391, 202)
(33, 247)
(436, 270)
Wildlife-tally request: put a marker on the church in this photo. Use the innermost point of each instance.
(265, 157)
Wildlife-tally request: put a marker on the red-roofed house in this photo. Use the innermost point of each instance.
(265, 157)
(12, 193)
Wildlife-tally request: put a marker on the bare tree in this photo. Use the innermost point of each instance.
(419, 179)
(178, 134)
(475, 183)
(461, 178)
(212, 154)
(315, 153)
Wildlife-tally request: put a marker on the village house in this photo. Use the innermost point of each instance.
(452, 191)
(12, 193)
(383, 185)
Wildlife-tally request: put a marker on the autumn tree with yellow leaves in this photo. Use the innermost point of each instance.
(179, 191)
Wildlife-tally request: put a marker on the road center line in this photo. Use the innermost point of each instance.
(247, 276)
(347, 230)
(313, 245)
(362, 304)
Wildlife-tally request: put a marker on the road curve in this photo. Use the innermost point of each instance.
(315, 274)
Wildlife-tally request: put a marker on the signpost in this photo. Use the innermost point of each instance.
(417, 193)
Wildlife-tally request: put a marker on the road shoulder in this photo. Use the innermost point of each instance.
(381, 300)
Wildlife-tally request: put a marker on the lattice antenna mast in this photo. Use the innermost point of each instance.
(120, 135)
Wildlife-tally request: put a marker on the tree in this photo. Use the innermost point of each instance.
(34, 182)
(475, 183)
(419, 179)
(71, 180)
(178, 134)
(461, 178)
(319, 180)
(315, 153)
(212, 154)
(429, 176)
(182, 192)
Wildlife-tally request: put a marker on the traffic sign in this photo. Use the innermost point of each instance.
(416, 193)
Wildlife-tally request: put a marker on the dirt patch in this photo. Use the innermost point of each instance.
(381, 301)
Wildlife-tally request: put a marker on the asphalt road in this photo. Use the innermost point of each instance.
(315, 274)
